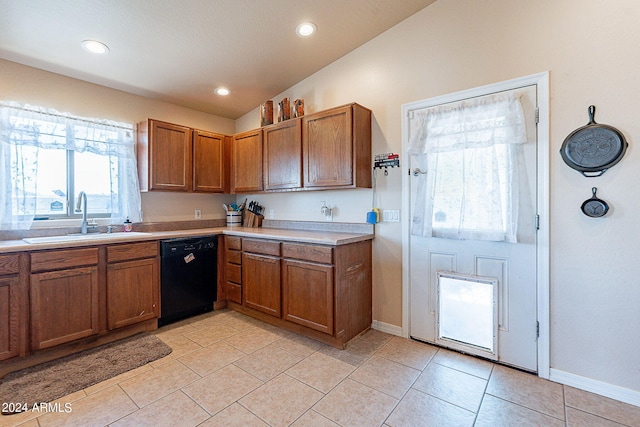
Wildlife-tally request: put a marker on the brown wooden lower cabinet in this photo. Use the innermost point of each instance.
(12, 305)
(320, 291)
(307, 294)
(261, 283)
(64, 306)
(132, 292)
(232, 266)
(9, 317)
(56, 302)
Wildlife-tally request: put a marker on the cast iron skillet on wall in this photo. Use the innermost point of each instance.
(593, 148)
(594, 207)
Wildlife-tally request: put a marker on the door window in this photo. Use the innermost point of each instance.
(468, 152)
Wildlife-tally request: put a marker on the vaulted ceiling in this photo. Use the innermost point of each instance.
(180, 51)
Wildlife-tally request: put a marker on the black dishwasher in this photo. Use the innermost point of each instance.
(188, 277)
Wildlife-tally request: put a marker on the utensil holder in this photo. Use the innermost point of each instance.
(234, 217)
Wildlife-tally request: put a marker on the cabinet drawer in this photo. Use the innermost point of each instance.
(131, 251)
(8, 264)
(234, 292)
(59, 259)
(233, 242)
(266, 247)
(234, 257)
(314, 253)
(233, 273)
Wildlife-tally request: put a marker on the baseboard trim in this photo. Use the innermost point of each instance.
(622, 394)
(387, 328)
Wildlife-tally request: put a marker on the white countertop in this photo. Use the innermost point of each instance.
(292, 235)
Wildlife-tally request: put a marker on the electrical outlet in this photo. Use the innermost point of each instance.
(391, 215)
(272, 214)
(198, 213)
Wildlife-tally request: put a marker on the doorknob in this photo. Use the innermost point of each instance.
(417, 171)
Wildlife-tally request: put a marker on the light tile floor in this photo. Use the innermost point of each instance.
(227, 369)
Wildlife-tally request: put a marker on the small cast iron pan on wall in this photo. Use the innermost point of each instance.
(593, 148)
(594, 207)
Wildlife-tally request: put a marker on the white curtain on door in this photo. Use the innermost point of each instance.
(469, 151)
(25, 130)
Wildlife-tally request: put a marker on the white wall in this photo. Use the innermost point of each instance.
(591, 49)
(36, 87)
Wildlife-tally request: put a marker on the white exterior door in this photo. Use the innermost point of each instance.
(513, 265)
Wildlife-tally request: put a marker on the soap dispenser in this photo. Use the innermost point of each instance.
(128, 226)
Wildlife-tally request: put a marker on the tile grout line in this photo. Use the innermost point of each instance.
(484, 394)
(526, 407)
(410, 387)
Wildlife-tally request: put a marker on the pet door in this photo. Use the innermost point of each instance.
(467, 314)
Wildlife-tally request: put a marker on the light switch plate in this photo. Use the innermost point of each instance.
(391, 215)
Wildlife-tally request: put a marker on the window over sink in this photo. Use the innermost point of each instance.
(47, 158)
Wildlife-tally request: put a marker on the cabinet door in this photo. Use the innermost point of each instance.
(328, 148)
(246, 162)
(170, 163)
(283, 155)
(308, 295)
(9, 317)
(64, 306)
(208, 162)
(261, 283)
(132, 292)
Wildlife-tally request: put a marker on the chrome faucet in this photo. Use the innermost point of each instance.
(82, 200)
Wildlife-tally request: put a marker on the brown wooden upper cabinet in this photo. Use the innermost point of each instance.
(336, 147)
(208, 162)
(246, 162)
(283, 155)
(178, 158)
(330, 149)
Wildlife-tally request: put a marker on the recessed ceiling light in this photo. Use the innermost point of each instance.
(95, 46)
(306, 29)
(222, 91)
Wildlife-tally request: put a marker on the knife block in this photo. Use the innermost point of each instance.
(252, 220)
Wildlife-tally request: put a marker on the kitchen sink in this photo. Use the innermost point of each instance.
(82, 237)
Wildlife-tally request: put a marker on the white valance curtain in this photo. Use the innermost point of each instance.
(468, 151)
(26, 130)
